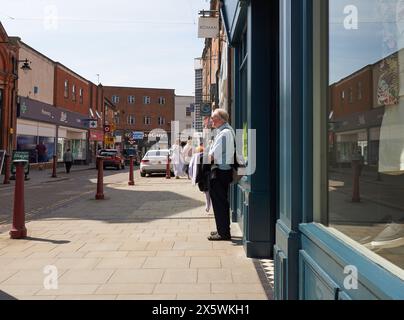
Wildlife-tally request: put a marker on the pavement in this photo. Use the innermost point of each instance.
(148, 242)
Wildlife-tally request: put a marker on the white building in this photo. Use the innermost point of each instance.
(184, 115)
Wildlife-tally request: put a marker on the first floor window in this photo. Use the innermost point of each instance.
(131, 119)
(147, 120)
(162, 121)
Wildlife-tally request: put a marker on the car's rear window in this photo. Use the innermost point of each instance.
(157, 153)
(108, 153)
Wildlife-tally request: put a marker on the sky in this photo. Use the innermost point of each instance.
(379, 34)
(132, 43)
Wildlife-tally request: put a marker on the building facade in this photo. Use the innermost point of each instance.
(72, 94)
(305, 77)
(8, 90)
(197, 118)
(144, 116)
(183, 115)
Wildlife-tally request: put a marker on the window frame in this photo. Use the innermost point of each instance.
(81, 93)
(146, 100)
(115, 98)
(162, 100)
(147, 118)
(66, 89)
(73, 92)
(131, 99)
(129, 118)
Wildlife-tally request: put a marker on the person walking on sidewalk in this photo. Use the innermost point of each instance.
(221, 155)
(68, 160)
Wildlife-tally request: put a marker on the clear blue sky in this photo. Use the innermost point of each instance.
(127, 42)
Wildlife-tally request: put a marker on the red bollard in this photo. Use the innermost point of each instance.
(54, 166)
(168, 171)
(18, 230)
(355, 185)
(100, 180)
(131, 178)
(7, 169)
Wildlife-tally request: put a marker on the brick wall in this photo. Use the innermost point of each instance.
(139, 110)
(76, 105)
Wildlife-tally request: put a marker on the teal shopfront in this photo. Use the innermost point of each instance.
(312, 76)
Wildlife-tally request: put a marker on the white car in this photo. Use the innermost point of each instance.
(155, 161)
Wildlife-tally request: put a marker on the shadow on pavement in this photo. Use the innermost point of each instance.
(5, 296)
(48, 240)
(123, 206)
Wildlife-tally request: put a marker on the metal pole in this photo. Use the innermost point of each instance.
(100, 179)
(131, 178)
(18, 230)
(54, 166)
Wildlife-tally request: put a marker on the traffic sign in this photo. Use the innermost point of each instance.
(92, 124)
(107, 128)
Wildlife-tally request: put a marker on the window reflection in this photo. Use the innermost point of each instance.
(366, 124)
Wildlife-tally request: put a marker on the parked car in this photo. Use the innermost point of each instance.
(112, 158)
(155, 161)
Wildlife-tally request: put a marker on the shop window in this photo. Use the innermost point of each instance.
(365, 160)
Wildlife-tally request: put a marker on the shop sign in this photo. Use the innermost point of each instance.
(39, 111)
(208, 27)
(137, 135)
(109, 140)
(206, 110)
(96, 135)
(92, 124)
(20, 155)
(2, 156)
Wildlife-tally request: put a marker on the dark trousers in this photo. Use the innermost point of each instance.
(68, 165)
(219, 194)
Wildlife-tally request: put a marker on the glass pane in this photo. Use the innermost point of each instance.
(366, 124)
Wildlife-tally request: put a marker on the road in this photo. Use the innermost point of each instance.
(43, 194)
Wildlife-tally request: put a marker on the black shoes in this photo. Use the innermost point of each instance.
(218, 237)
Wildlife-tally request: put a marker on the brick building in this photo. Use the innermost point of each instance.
(142, 110)
(8, 90)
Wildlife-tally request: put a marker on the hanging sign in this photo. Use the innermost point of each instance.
(208, 27)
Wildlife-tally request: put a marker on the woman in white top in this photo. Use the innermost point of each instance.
(177, 159)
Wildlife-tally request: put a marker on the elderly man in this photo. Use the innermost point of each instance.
(221, 155)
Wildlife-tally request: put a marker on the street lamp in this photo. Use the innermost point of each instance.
(25, 66)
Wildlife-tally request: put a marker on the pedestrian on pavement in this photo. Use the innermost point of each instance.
(68, 160)
(221, 155)
(177, 159)
(42, 152)
(187, 155)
